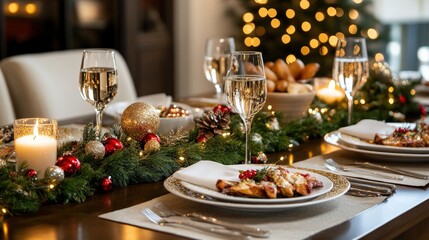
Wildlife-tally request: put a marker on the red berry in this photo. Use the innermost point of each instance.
(201, 138)
(222, 108)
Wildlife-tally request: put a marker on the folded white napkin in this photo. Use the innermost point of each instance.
(367, 128)
(156, 100)
(206, 173)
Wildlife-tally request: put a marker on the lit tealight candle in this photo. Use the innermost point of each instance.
(330, 94)
(39, 151)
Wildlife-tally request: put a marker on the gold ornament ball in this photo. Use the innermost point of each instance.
(139, 119)
(95, 149)
(151, 146)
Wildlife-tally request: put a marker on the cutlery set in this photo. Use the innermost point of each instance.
(161, 215)
(366, 188)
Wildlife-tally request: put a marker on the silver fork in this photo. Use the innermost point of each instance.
(336, 167)
(164, 211)
(153, 217)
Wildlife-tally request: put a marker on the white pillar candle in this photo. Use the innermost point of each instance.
(37, 150)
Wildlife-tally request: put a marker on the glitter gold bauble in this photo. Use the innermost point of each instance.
(152, 146)
(139, 119)
(95, 149)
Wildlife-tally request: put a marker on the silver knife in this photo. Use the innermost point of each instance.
(391, 169)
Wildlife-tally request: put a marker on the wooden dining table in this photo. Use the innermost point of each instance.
(404, 215)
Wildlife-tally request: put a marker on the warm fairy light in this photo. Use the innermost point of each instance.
(31, 8)
(256, 41)
(51, 186)
(331, 11)
(352, 29)
(290, 58)
(319, 16)
(248, 28)
(290, 30)
(269, 107)
(340, 12)
(314, 43)
(413, 92)
(304, 4)
(282, 158)
(391, 101)
(333, 40)
(353, 14)
(248, 17)
(263, 12)
(357, 1)
(323, 50)
(379, 57)
(272, 13)
(4, 210)
(290, 13)
(305, 50)
(260, 31)
(355, 102)
(323, 37)
(391, 89)
(141, 153)
(261, 1)
(340, 35)
(362, 101)
(226, 134)
(275, 23)
(286, 39)
(372, 33)
(248, 41)
(181, 159)
(13, 7)
(305, 26)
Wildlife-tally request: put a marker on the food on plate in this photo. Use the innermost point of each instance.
(406, 137)
(283, 74)
(270, 182)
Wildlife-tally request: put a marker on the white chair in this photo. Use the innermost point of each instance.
(7, 114)
(47, 84)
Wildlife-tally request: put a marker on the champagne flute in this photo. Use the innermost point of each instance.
(216, 61)
(245, 89)
(350, 68)
(98, 80)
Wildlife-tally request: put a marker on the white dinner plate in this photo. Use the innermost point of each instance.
(340, 186)
(333, 138)
(359, 143)
(327, 186)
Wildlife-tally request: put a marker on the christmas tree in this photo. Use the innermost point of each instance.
(307, 29)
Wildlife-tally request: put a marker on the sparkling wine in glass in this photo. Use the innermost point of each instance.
(216, 61)
(98, 80)
(350, 68)
(245, 89)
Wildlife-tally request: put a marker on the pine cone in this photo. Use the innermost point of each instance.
(213, 123)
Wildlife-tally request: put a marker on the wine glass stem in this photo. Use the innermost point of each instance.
(219, 92)
(247, 129)
(98, 121)
(350, 109)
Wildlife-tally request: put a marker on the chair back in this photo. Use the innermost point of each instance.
(47, 84)
(7, 114)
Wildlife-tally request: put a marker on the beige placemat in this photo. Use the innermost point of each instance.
(299, 223)
(346, 158)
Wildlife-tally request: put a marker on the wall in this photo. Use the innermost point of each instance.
(195, 21)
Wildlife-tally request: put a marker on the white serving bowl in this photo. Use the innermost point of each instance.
(292, 106)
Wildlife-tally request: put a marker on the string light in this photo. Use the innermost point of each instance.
(248, 28)
(13, 7)
(290, 30)
(319, 16)
(340, 12)
(248, 17)
(353, 14)
(379, 57)
(275, 23)
(314, 43)
(272, 13)
(30, 8)
(333, 40)
(331, 11)
(372, 33)
(290, 13)
(290, 58)
(263, 12)
(305, 50)
(304, 4)
(286, 39)
(353, 29)
(260, 31)
(323, 50)
(261, 1)
(323, 37)
(305, 26)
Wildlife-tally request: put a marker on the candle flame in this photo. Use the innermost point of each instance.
(331, 85)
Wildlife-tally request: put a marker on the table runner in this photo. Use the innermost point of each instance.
(345, 157)
(298, 223)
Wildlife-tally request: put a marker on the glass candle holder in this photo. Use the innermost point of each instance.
(36, 143)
